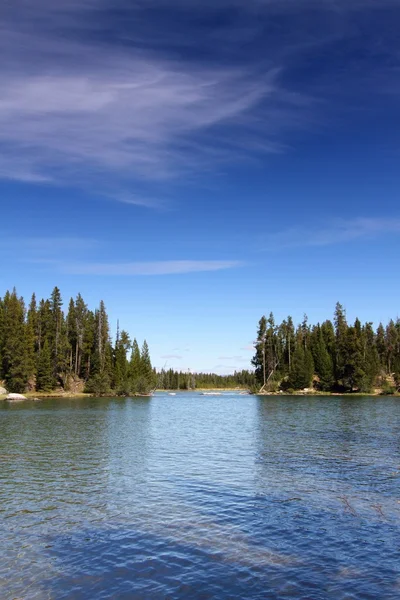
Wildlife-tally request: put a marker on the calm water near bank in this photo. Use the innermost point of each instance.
(199, 497)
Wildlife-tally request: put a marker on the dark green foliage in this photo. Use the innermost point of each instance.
(259, 359)
(14, 351)
(134, 365)
(121, 380)
(44, 377)
(146, 370)
(99, 384)
(341, 351)
(270, 347)
(332, 356)
(44, 348)
(179, 380)
(302, 370)
(387, 388)
(323, 363)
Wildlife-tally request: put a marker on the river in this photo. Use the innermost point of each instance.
(192, 496)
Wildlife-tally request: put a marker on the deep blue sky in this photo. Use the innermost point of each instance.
(197, 164)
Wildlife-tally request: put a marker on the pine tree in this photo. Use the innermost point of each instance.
(341, 341)
(381, 346)
(45, 375)
(273, 348)
(57, 330)
(146, 370)
(82, 323)
(391, 339)
(354, 365)
(15, 366)
(100, 366)
(259, 359)
(328, 333)
(122, 383)
(322, 360)
(287, 336)
(134, 366)
(86, 357)
(72, 335)
(302, 368)
(371, 357)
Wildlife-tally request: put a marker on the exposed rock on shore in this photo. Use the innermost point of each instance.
(16, 397)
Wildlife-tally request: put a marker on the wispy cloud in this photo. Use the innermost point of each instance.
(136, 200)
(47, 249)
(116, 92)
(338, 232)
(233, 358)
(172, 267)
(172, 356)
(72, 105)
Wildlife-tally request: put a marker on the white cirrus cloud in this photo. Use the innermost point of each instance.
(86, 98)
(135, 117)
(171, 267)
(339, 231)
(76, 107)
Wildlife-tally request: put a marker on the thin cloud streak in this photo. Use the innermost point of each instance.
(339, 232)
(39, 246)
(134, 200)
(172, 267)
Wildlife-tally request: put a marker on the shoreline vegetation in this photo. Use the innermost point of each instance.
(43, 348)
(333, 356)
(48, 352)
(61, 394)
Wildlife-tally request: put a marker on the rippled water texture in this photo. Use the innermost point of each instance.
(198, 497)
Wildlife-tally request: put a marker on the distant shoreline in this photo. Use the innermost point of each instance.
(82, 395)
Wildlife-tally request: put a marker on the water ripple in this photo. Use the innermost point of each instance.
(200, 497)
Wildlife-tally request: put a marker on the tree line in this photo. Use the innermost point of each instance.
(169, 379)
(43, 348)
(331, 356)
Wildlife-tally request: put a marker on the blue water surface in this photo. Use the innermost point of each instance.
(193, 496)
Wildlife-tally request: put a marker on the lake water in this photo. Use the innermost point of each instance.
(199, 497)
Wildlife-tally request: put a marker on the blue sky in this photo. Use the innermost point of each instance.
(197, 164)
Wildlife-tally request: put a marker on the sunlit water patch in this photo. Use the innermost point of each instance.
(202, 497)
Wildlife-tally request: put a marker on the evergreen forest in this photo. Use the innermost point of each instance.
(180, 380)
(43, 348)
(331, 356)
